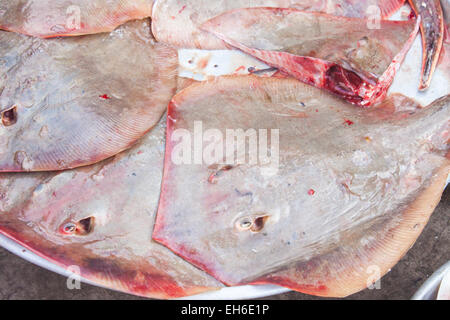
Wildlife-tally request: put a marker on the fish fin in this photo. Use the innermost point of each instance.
(346, 271)
(389, 7)
(60, 19)
(108, 273)
(78, 117)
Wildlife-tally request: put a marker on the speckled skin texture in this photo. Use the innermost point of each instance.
(177, 21)
(100, 218)
(76, 100)
(297, 244)
(20, 279)
(432, 29)
(50, 18)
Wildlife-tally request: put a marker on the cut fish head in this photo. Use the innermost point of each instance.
(353, 58)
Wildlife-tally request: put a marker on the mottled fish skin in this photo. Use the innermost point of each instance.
(100, 219)
(75, 101)
(432, 29)
(445, 4)
(53, 18)
(347, 176)
(347, 56)
(178, 22)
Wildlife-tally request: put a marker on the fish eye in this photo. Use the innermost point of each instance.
(253, 223)
(79, 228)
(244, 223)
(69, 228)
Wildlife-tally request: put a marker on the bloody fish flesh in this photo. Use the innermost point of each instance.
(346, 56)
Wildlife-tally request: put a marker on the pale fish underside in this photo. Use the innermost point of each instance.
(53, 18)
(178, 22)
(352, 189)
(75, 101)
(99, 220)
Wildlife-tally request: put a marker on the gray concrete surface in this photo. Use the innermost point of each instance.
(22, 280)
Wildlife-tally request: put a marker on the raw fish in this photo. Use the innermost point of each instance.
(98, 221)
(70, 102)
(347, 56)
(178, 21)
(432, 29)
(339, 201)
(52, 18)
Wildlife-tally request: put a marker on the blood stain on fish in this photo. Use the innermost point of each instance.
(348, 122)
(105, 97)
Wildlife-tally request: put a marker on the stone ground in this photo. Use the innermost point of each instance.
(21, 280)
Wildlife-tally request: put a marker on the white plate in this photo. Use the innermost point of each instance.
(222, 62)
